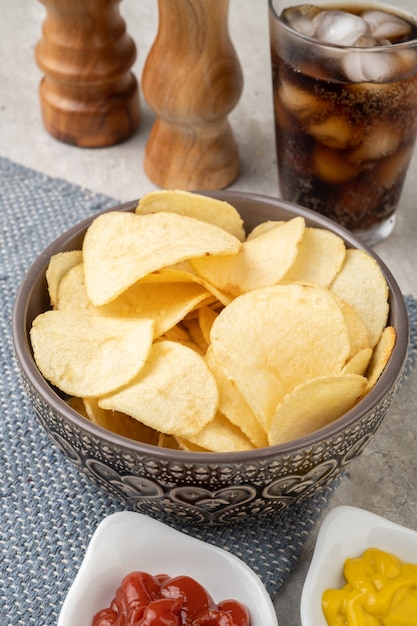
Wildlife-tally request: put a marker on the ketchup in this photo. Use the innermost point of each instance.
(146, 600)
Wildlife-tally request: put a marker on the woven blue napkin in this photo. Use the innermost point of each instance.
(48, 510)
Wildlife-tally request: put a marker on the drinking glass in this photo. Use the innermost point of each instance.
(345, 103)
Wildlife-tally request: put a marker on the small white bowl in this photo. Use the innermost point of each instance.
(127, 541)
(347, 532)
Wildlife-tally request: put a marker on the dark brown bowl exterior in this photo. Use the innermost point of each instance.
(205, 488)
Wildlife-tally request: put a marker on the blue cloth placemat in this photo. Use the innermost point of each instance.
(48, 510)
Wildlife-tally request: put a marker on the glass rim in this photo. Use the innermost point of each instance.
(392, 47)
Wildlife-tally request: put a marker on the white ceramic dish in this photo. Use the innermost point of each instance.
(129, 541)
(347, 532)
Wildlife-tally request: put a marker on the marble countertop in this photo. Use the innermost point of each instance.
(383, 478)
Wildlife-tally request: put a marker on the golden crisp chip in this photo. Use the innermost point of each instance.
(358, 332)
(116, 422)
(121, 248)
(183, 273)
(120, 423)
(165, 303)
(233, 405)
(167, 441)
(358, 363)
(206, 317)
(174, 393)
(220, 435)
(273, 339)
(58, 266)
(84, 355)
(183, 444)
(194, 329)
(315, 404)
(320, 256)
(71, 294)
(178, 333)
(78, 405)
(216, 212)
(362, 284)
(263, 227)
(261, 262)
(381, 355)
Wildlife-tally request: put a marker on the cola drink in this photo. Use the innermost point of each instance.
(345, 100)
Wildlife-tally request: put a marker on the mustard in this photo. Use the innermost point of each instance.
(380, 590)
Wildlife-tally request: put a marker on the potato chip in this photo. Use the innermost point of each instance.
(358, 332)
(120, 423)
(183, 273)
(220, 435)
(114, 421)
(362, 284)
(381, 355)
(178, 273)
(263, 227)
(184, 444)
(216, 212)
(315, 404)
(358, 363)
(319, 258)
(175, 393)
(178, 333)
(270, 340)
(206, 317)
(121, 248)
(261, 262)
(165, 303)
(58, 266)
(233, 405)
(167, 441)
(71, 293)
(78, 405)
(194, 329)
(84, 355)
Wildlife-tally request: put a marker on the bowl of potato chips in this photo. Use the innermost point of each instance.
(210, 357)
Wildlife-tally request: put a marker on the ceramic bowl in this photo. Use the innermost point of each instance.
(127, 541)
(347, 532)
(206, 488)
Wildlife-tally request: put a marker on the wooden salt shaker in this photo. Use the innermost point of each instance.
(89, 97)
(192, 79)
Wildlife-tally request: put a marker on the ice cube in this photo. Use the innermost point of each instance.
(366, 66)
(406, 62)
(392, 169)
(339, 27)
(300, 18)
(283, 118)
(386, 26)
(332, 167)
(334, 131)
(363, 66)
(299, 102)
(379, 142)
(369, 42)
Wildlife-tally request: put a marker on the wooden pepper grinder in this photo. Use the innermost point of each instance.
(192, 79)
(89, 97)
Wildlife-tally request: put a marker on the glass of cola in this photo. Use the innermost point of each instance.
(345, 102)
